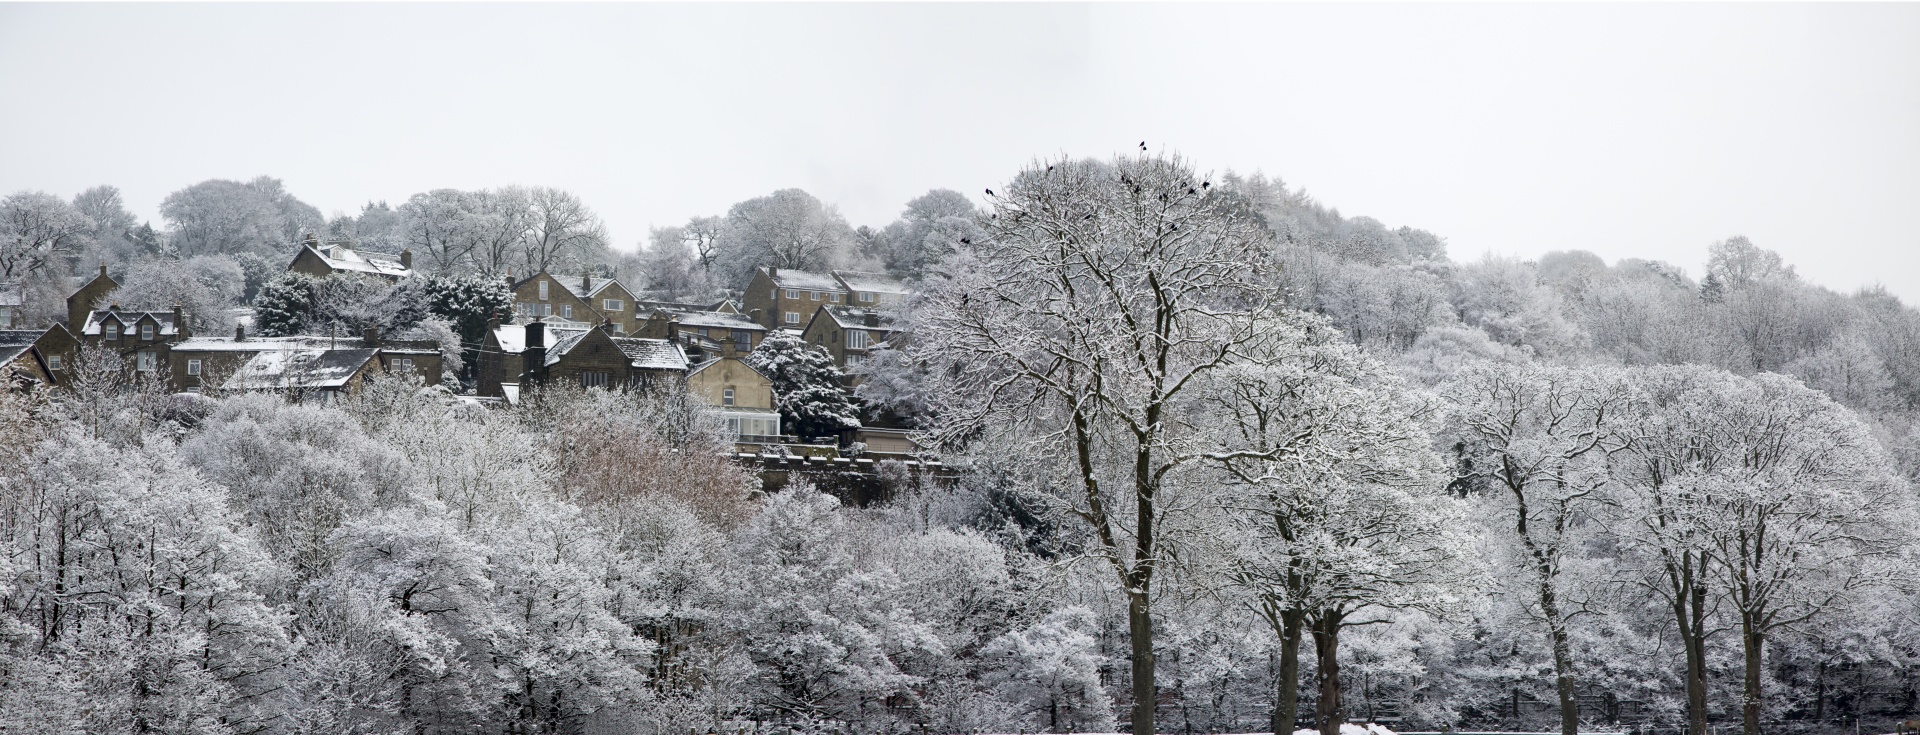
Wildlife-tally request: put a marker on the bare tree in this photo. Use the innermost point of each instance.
(1539, 441)
(36, 228)
(561, 230)
(1102, 298)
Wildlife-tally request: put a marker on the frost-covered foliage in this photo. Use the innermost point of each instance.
(810, 389)
(1469, 492)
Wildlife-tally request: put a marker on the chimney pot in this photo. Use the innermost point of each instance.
(239, 332)
(406, 258)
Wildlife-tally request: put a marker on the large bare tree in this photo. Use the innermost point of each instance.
(1102, 296)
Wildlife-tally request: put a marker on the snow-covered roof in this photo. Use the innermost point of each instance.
(308, 367)
(721, 319)
(96, 318)
(342, 258)
(13, 342)
(854, 317)
(871, 282)
(652, 354)
(804, 280)
(513, 337)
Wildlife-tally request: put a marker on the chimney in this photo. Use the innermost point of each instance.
(773, 271)
(179, 321)
(493, 322)
(240, 332)
(310, 241)
(758, 316)
(103, 270)
(533, 360)
(371, 335)
(406, 258)
(872, 319)
(586, 282)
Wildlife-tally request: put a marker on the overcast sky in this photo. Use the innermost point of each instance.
(1642, 130)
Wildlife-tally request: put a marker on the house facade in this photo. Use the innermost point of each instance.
(584, 300)
(848, 333)
(518, 355)
(742, 395)
(144, 338)
(783, 298)
(37, 356)
(872, 289)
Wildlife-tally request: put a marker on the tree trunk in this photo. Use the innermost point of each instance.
(1286, 704)
(1140, 631)
(1752, 638)
(1329, 712)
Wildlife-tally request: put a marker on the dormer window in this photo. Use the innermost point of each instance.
(146, 332)
(112, 330)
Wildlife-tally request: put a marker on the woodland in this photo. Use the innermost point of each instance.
(1222, 459)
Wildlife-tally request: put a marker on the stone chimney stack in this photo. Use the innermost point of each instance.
(180, 322)
(534, 358)
(406, 258)
(240, 332)
(371, 335)
(773, 271)
(586, 283)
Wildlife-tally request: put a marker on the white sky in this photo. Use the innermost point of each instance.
(1645, 130)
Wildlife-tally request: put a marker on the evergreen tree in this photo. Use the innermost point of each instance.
(806, 383)
(283, 304)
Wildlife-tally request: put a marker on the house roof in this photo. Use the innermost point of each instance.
(873, 282)
(575, 285)
(303, 367)
(854, 317)
(15, 342)
(723, 306)
(717, 360)
(342, 258)
(721, 319)
(645, 354)
(652, 354)
(513, 337)
(804, 280)
(98, 317)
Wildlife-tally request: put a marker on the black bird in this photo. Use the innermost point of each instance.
(1205, 184)
(1190, 190)
(989, 192)
(968, 241)
(1143, 145)
(1049, 169)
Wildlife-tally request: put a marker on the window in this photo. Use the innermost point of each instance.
(593, 379)
(853, 359)
(566, 311)
(144, 361)
(733, 425)
(403, 364)
(193, 367)
(704, 332)
(112, 330)
(53, 362)
(815, 295)
(543, 290)
(834, 297)
(857, 339)
(793, 317)
(742, 341)
(793, 294)
(146, 332)
(615, 305)
(726, 397)
(866, 297)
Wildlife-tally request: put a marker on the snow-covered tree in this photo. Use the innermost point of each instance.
(1052, 669)
(809, 388)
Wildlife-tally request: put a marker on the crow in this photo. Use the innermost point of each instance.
(1143, 145)
(1190, 190)
(989, 192)
(966, 240)
(1205, 184)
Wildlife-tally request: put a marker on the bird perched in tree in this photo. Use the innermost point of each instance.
(1205, 184)
(989, 192)
(1143, 145)
(966, 240)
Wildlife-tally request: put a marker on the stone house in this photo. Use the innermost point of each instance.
(517, 355)
(848, 332)
(872, 289)
(42, 356)
(742, 395)
(145, 338)
(89, 296)
(320, 260)
(297, 363)
(583, 300)
(783, 298)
